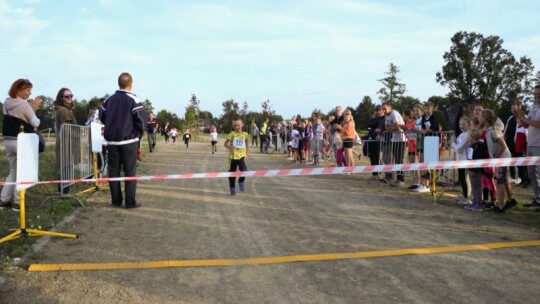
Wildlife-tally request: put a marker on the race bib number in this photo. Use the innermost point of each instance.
(239, 143)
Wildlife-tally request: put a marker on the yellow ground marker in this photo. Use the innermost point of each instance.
(276, 260)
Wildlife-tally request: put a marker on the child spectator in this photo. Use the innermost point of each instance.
(348, 134)
(497, 149)
(288, 139)
(443, 141)
(477, 150)
(411, 134)
(460, 146)
(295, 143)
(237, 143)
(318, 140)
(488, 187)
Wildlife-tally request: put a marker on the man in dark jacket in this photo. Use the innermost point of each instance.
(125, 121)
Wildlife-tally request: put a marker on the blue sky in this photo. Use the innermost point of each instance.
(301, 55)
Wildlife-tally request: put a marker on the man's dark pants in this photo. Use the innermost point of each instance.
(123, 156)
(151, 141)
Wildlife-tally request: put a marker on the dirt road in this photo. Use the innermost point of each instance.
(198, 219)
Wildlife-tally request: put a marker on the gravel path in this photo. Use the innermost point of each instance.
(198, 219)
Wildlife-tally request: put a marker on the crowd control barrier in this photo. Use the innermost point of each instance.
(75, 159)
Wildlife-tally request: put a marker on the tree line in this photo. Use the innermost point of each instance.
(476, 70)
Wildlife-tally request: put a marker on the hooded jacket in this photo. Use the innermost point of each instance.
(21, 110)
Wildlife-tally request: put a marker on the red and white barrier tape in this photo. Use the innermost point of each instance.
(496, 162)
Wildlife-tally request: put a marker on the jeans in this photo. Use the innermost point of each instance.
(9, 191)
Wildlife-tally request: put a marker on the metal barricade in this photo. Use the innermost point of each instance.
(75, 158)
(404, 147)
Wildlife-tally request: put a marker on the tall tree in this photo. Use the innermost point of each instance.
(392, 89)
(363, 113)
(230, 111)
(267, 108)
(148, 108)
(46, 113)
(406, 102)
(194, 102)
(479, 70)
(190, 118)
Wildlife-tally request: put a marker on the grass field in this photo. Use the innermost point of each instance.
(36, 218)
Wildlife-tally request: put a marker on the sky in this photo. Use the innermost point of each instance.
(301, 55)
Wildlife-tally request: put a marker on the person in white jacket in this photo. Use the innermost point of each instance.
(460, 145)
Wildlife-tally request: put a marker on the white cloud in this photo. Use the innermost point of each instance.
(19, 26)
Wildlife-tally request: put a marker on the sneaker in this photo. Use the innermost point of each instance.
(474, 208)
(510, 203)
(497, 209)
(386, 180)
(532, 205)
(5, 205)
(242, 186)
(463, 201)
(233, 191)
(489, 205)
(422, 189)
(412, 187)
(15, 207)
(517, 181)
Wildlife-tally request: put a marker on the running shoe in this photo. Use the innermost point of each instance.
(412, 187)
(422, 189)
(497, 209)
(532, 205)
(233, 191)
(510, 203)
(473, 208)
(242, 186)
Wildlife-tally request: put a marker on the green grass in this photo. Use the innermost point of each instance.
(43, 219)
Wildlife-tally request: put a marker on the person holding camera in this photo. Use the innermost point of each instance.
(18, 114)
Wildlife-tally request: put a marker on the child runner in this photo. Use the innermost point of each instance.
(165, 132)
(173, 134)
(214, 138)
(460, 146)
(186, 137)
(237, 144)
(477, 150)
